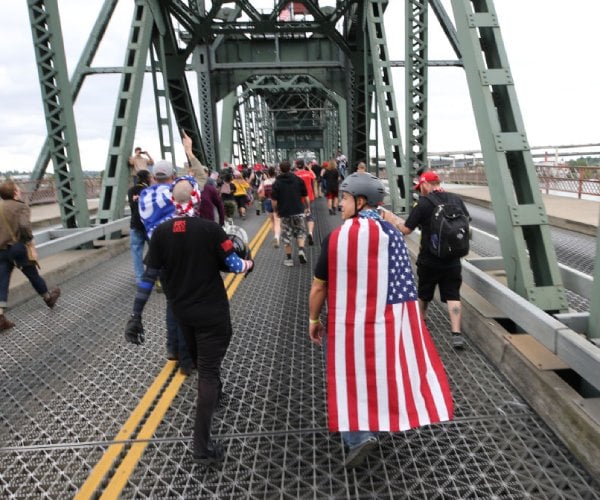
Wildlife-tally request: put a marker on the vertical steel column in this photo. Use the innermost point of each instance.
(529, 256)
(161, 98)
(85, 60)
(208, 112)
(58, 109)
(239, 152)
(116, 173)
(386, 103)
(416, 84)
(249, 127)
(227, 117)
(260, 130)
(268, 133)
(173, 66)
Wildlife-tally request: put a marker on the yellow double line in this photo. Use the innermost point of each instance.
(163, 401)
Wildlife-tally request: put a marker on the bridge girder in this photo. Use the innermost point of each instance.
(343, 48)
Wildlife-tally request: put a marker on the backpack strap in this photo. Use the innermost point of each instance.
(433, 198)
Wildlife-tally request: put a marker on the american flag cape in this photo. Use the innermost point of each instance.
(383, 370)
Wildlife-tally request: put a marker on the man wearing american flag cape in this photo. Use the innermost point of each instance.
(383, 371)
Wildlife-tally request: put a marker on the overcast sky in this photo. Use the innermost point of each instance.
(551, 45)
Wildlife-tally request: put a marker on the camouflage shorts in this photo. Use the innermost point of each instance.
(292, 227)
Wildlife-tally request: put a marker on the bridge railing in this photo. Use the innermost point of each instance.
(44, 190)
(579, 181)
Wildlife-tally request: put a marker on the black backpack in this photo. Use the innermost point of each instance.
(449, 229)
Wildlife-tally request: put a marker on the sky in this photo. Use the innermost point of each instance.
(550, 45)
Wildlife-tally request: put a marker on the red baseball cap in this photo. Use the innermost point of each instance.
(429, 176)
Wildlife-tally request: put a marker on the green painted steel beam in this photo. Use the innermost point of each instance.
(357, 91)
(57, 100)
(115, 181)
(227, 120)
(530, 260)
(395, 163)
(174, 70)
(162, 105)
(416, 75)
(207, 105)
(303, 94)
(81, 70)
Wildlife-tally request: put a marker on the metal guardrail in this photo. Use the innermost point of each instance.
(53, 241)
(580, 181)
(555, 333)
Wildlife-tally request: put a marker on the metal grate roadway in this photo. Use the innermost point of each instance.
(68, 382)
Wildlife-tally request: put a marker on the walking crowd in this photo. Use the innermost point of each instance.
(363, 275)
(366, 308)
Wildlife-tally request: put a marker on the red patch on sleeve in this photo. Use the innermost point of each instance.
(179, 226)
(227, 245)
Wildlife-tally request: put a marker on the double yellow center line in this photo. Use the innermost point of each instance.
(157, 396)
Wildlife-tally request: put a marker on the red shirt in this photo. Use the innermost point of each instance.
(308, 176)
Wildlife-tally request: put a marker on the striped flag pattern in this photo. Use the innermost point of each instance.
(383, 370)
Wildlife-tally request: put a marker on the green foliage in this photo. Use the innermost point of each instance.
(584, 161)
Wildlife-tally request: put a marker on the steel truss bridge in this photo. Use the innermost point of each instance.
(304, 76)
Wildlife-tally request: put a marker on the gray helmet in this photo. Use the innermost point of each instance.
(367, 185)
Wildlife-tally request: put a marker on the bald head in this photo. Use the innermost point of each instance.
(182, 192)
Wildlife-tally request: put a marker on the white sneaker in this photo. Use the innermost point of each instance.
(288, 262)
(275, 242)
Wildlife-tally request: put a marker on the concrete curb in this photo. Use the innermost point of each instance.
(571, 225)
(553, 399)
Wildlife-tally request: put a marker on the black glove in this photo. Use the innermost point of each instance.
(134, 330)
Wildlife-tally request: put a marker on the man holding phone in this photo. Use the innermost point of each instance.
(141, 160)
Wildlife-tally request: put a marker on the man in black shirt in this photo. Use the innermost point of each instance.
(290, 203)
(137, 231)
(434, 271)
(189, 252)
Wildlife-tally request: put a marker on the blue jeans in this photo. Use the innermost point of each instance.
(350, 438)
(16, 256)
(176, 343)
(137, 238)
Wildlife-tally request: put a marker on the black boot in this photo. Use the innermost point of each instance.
(5, 324)
(53, 296)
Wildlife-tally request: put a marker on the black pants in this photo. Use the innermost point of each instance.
(208, 346)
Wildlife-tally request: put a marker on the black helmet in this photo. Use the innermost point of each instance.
(367, 185)
(240, 247)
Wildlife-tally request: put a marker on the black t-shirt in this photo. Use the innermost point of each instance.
(332, 178)
(189, 251)
(421, 217)
(135, 221)
(322, 267)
